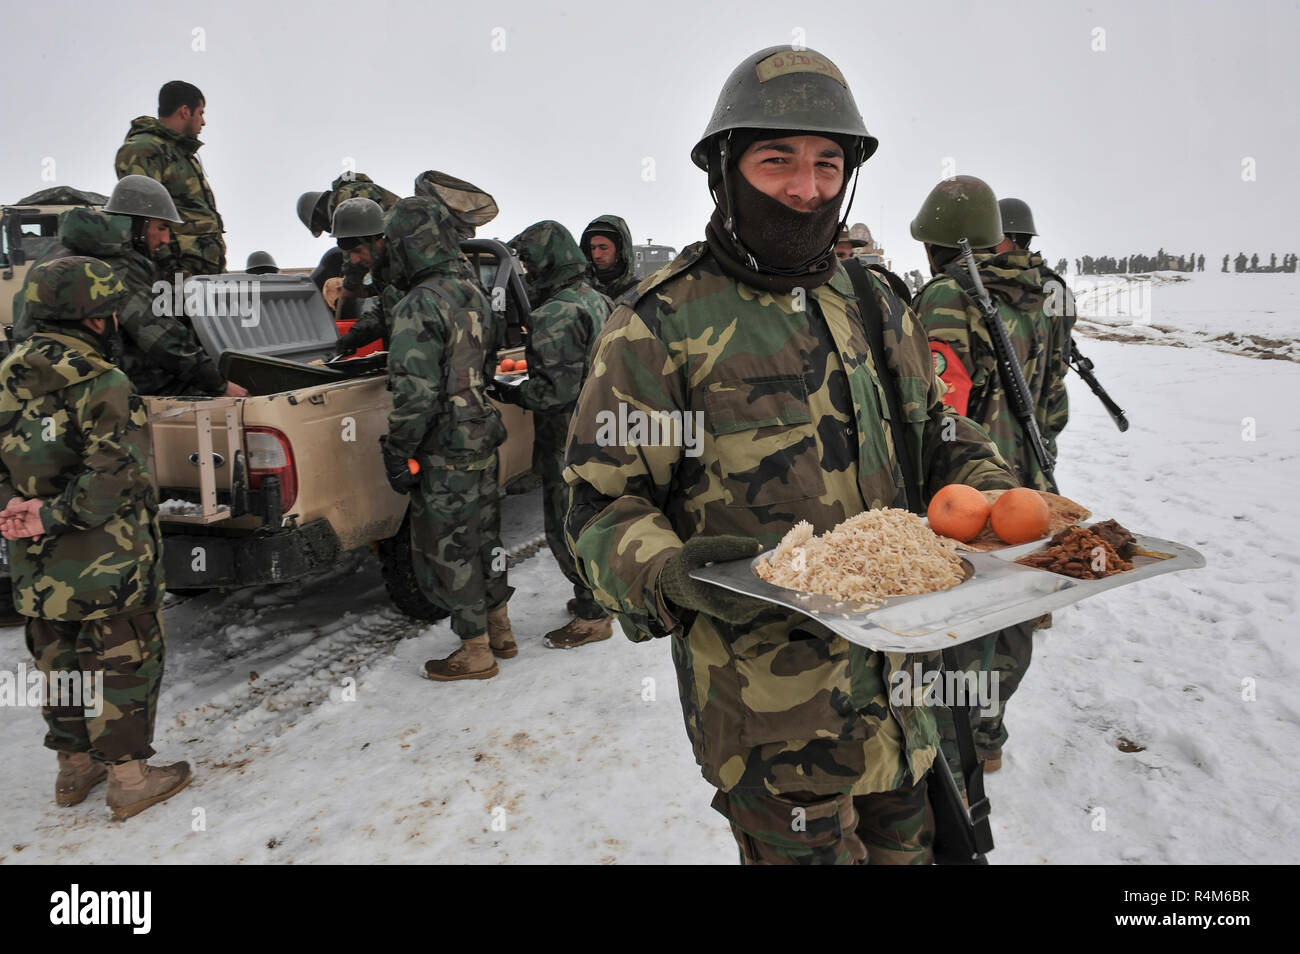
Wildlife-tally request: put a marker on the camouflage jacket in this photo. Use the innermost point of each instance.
(624, 280)
(356, 185)
(444, 347)
(160, 353)
(72, 434)
(965, 361)
(789, 424)
(567, 315)
(1061, 312)
(156, 150)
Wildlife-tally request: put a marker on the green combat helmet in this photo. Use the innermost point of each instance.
(1017, 219)
(72, 290)
(796, 90)
(142, 196)
(358, 218)
(261, 263)
(311, 212)
(962, 207)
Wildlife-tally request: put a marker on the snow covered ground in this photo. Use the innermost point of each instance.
(581, 756)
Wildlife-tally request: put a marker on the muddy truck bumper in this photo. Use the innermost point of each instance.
(200, 560)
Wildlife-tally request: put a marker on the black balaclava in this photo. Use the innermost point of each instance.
(760, 240)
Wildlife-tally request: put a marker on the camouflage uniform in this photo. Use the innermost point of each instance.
(154, 149)
(1061, 313)
(624, 277)
(965, 361)
(444, 346)
(567, 315)
(73, 436)
(782, 714)
(160, 353)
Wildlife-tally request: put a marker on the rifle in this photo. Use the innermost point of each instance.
(1083, 368)
(1013, 379)
(962, 835)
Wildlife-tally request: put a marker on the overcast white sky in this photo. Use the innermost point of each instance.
(1122, 140)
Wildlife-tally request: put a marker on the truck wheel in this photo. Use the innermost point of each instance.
(399, 577)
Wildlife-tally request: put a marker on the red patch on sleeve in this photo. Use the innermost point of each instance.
(952, 373)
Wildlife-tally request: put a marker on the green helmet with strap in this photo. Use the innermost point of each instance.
(142, 196)
(787, 89)
(71, 290)
(1016, 217)
(261, 263)
(962, 207)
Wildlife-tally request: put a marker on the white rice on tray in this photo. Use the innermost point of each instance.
(867, 558)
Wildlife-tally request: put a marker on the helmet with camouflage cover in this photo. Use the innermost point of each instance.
(261, 263)
(796, 90)
(358, 218)
(142, 196)
(1016, 217)
(72, 289)
(311, 211)
(962, 207)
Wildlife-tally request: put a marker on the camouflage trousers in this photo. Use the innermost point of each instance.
(456, 549)
(196, 255)
(1005, 655)
(128, 651)
(884, 828)
(549, 434)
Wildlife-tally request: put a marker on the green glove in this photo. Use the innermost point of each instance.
(677, 587)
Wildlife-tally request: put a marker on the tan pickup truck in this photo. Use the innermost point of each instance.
(266, 488)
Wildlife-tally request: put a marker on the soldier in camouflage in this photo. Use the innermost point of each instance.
(316, 211)
(607, 243)
(567, 314)
(1058, 307)
(443, 433)
(158, 352)
(358, 226)
(166, 149)
(755, 338)
(82, 520)
(965, 207)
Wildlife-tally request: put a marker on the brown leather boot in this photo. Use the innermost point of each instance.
(500, 636)
(134, 786)
(473, 660)
(78, 774)
(579, 632)
(992, 759)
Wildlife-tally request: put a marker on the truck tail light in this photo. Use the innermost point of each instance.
(271, 455)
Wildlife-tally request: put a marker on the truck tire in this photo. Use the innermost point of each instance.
(399, 577)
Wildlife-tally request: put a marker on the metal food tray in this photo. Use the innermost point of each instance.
(997, 593)
(511, 380)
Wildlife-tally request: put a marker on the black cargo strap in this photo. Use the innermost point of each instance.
(873, 324)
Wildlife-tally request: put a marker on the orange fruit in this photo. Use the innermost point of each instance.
(1019, 516)
(958, 511)
(507, 364)
(521, 365)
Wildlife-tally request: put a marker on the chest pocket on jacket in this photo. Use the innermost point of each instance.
(764, 440)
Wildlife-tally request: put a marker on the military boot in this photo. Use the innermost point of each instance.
(134, 786)
(500, 636)
(78, 774)
(992, 759)
(473, 660)
(579, 632)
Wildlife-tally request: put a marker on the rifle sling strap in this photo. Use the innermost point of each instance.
(873, 325)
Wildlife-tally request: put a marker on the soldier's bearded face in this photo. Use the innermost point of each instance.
(802, 172)
(157, 233)
(603, 252)
(195, 122)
